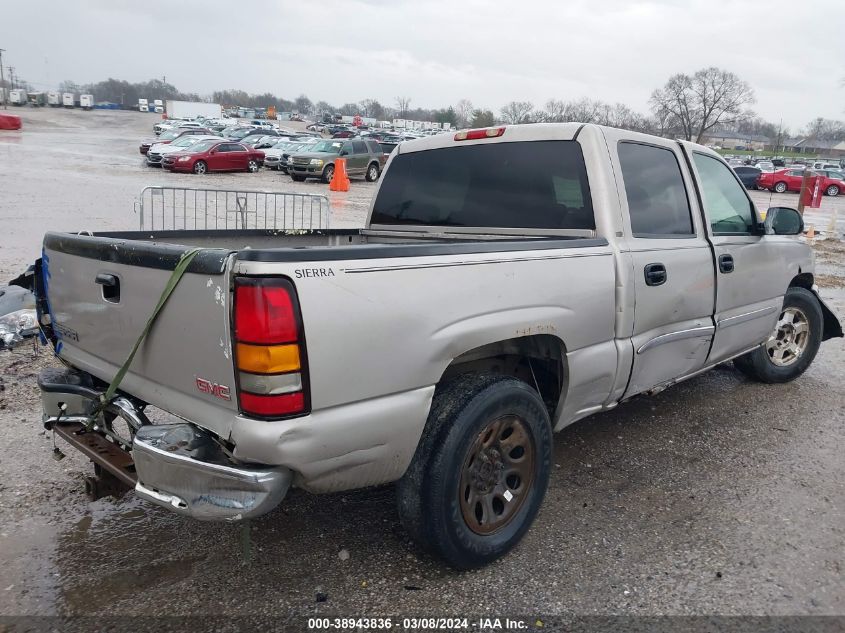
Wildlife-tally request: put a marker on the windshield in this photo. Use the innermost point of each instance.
(331, 147)
(184, 141)
(202, 146)
(169, 136)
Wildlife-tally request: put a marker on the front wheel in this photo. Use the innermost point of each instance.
(328, 173)
(480, 471)
(833, 190)
(794, 343)
(372, 172)
(200, 167)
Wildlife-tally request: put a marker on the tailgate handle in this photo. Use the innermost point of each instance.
(104, 279)
(111, 286)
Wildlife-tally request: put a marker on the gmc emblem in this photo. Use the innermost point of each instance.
(219, 391)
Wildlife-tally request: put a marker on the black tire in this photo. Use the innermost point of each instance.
(200, 167)
(372, 172)
(296, 178)
(328, 173)
(780, 187)
(832, 190)
(761, 365)
(429, 494)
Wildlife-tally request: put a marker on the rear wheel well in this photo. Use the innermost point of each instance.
(538, 360)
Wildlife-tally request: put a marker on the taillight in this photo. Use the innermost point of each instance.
(269, 348)
(472, 135)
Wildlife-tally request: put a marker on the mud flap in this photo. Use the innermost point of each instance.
(831, 328)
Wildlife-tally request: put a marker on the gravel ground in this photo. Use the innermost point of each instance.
(717, 496)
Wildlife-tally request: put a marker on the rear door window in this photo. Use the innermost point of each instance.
(536, 184)
(657, 198)
(359, 147)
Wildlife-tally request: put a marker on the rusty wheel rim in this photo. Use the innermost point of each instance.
(497, 475)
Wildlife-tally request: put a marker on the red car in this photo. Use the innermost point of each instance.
(784, 180)
(219, 155)
(172, 135)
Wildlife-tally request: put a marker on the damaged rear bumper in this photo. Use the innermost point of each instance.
(177, 466)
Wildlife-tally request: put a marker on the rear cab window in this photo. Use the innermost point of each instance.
(523, 184)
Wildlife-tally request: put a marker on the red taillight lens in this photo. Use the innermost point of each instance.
(264, 314)
(269, 350)
(273, 406)
(472, 135)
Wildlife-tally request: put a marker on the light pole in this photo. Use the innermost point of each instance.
(3, 90)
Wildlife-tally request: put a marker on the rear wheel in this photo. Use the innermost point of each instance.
(200, 167)
(833, 190)
(328, 173)
(372, 172)
(792, 346)
(252, 166)
(480, 471)
(780, 187)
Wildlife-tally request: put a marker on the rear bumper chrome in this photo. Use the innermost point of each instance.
(178, 466)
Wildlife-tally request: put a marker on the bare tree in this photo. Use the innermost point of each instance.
(517, 112)
(700, 102)
(463, 110)
(825, 129)
(402, 105)
(372, 108)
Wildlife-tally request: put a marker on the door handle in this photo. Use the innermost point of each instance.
(655, 274)
(726, 263)
(105, 279)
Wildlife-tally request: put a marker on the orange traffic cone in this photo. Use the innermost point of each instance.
(811, 232)
(340, 181)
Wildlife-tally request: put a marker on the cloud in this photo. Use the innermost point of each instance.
(440, 51)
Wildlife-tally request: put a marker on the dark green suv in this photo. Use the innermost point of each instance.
(363, 158)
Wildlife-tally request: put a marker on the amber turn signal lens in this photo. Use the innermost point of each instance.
(268, 359)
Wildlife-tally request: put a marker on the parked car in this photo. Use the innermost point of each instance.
(462, 349)
(363, 158)
(748, 175)
(833, 174)
(158, 150)
(217, 155)
(170, 124)
(278, 156)
(171, 135)
(765, 165)
(345, 134)
(785, 180)
(240, 132)
(825, 165)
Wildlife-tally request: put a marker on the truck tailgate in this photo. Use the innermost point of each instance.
(184, 365)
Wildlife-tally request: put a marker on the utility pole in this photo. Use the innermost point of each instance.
(12, 76)
(3, 91)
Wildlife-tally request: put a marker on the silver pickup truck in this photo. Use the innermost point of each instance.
(509, 281)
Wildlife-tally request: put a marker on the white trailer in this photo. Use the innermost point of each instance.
(68, 99)
(86, 101)
(193, 110)
(17, 97)
(399, 123)
(158, 106)
(54, 99)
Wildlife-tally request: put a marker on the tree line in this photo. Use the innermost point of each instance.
(688, 106)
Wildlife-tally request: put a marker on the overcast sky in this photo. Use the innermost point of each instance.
(439, 51)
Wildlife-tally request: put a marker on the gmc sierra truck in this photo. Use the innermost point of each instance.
(508, 282)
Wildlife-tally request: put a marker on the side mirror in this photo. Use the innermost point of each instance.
(784, 221)
(343, 152)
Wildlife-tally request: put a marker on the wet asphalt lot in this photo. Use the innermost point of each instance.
(717, 496)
